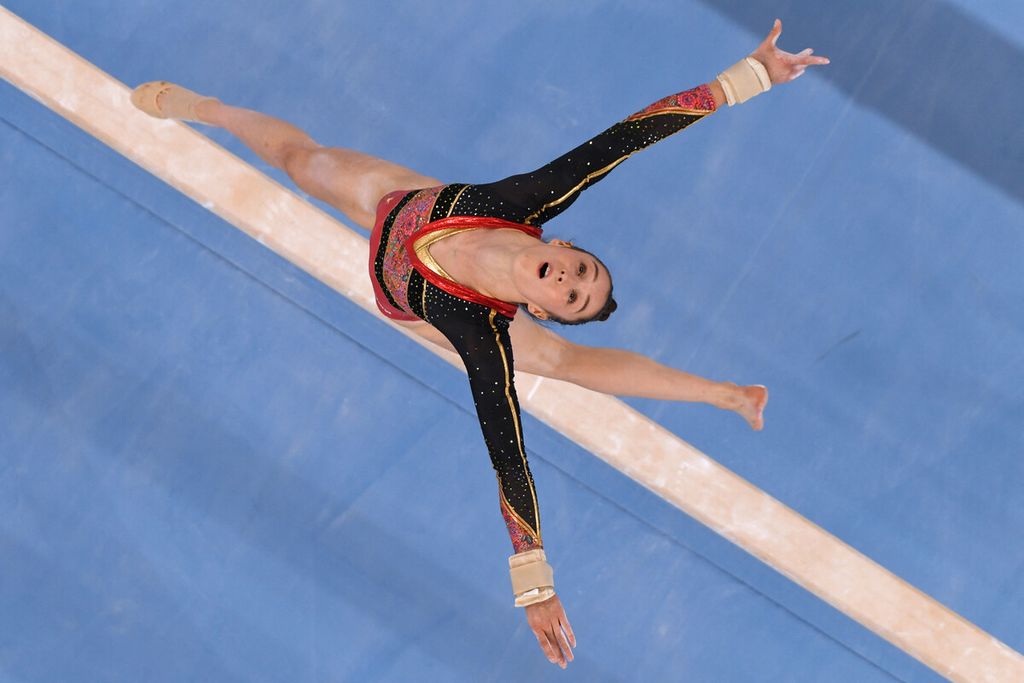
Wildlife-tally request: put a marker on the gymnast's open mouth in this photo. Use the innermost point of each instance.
(543, 271)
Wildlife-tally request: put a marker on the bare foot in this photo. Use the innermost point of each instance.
(749, 403)
(756, 399)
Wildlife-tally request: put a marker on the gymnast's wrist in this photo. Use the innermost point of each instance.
(533, 579)
(743, 80)
(534, 596)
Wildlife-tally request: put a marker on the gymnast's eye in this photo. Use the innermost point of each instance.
(572, 296)
(581, 270)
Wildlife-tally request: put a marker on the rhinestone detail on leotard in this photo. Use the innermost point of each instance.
(478, 328)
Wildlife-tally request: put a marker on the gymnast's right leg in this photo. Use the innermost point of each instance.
(348, 180)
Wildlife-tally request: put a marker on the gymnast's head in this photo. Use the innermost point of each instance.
(564, 284)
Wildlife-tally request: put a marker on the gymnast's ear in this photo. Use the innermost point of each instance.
(560, 243)
(537, 312)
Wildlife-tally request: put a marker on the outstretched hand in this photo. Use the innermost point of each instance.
(551, 626)
(783, 67)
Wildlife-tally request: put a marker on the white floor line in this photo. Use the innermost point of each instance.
(657, 459)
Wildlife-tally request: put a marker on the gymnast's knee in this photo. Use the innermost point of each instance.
(312, 168)
(299, 161)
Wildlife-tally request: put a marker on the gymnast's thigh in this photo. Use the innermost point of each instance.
(351, 181)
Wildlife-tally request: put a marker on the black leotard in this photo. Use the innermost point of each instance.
(477, 326)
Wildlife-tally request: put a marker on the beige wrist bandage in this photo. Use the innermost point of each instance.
(533, 579)
(743, 80)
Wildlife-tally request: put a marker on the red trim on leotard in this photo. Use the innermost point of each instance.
(454, 288)
(384, 207)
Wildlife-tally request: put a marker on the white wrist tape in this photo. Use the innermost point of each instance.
(533, 579)
(534, 596)
(743, 80)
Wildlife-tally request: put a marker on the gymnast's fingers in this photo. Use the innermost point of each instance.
(806, 57)
(547, 645)
(567, 627)
(773, 35)
(550, 645)
(563, 641)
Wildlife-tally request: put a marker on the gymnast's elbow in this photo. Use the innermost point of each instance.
(556, 358)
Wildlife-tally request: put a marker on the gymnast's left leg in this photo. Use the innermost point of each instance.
(348, 180)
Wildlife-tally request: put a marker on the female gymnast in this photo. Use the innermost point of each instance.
(453, 262)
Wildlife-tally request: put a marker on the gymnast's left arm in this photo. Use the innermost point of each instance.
(766, 66)
(619, 372)
(538, 196)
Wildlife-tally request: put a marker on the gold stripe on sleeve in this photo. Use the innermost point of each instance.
(700, 113)
(607, 169)
(515, 515)
(515, 419)
(456, 200)
(590, 176)
(423, 302)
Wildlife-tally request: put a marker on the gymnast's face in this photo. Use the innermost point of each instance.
(558, 281)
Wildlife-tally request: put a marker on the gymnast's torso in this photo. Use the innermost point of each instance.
(410, 285)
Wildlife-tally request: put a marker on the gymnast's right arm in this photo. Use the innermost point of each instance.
(480, 336)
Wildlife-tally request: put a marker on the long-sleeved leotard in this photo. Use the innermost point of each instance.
(410, 286)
